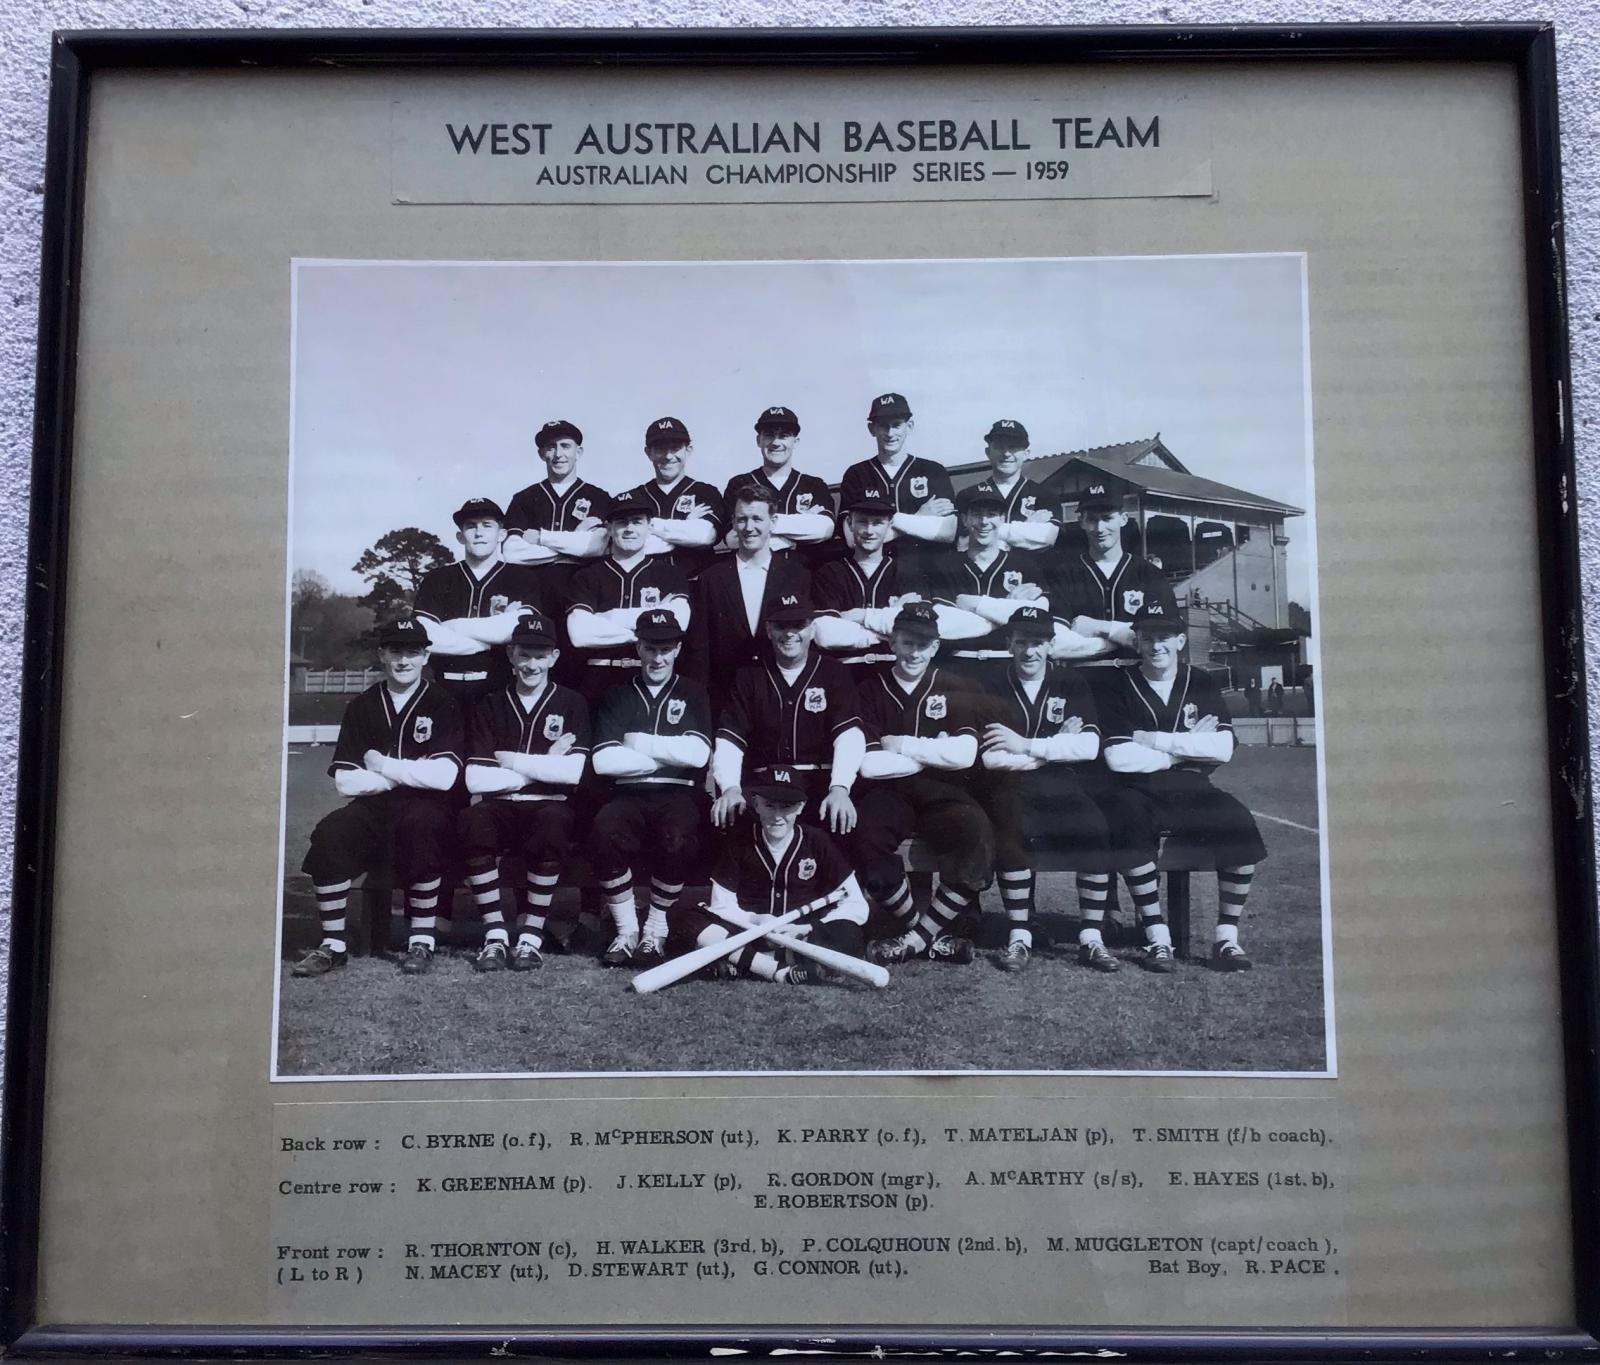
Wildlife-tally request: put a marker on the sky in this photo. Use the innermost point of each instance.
(420, 384)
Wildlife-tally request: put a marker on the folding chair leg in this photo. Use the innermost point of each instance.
(1178, 912)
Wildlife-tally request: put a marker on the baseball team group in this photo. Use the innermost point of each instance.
(774, 692)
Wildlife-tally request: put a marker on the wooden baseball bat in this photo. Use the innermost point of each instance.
(832, 958)
(677, 968)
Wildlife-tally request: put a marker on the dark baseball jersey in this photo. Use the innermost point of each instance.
(949, 576)
(539, 507)
(678, 707)
(454, 592)
(720, 640)
(842, 585)
(811, 867)
(774, 721)
(1129, 703)
(913, 484)
(500, 721)
(1063, 697)
(800, 493)
(1025, 498)
(941, 704)
(673, 504)
(428, 725)
(1086, 591)
(605, 585)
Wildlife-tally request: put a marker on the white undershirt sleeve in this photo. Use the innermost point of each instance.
(360, 782)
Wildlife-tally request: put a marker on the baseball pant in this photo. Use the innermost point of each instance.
(412, 831)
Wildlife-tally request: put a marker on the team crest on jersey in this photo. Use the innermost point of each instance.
(422, 729)
(684, 504)
(1055, 710)
(552, 726)
(919, 486)
(498, 603)
(936, 707)
(649, 597)
(1028, 504)
(1011, 579)
(1191, 714)
(675, 709)
(580, 509)
(1132, 599)
(802, 502)
(816, 699)
(807, 869)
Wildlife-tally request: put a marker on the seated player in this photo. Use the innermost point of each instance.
(686, 515)
(798, 711)
(776, 866)
(1166, 727)
(397, 758)
(527, 747)
(1027, 520)
(606, 598)
(470, 608)
(1035, 751)
(652, 739)
(924, 522)
(922, 737)
(802, 505)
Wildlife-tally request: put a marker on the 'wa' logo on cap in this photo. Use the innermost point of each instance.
(1191, 714)
(1012, 578)
(665, 424)
(422, 730)
(1097, 490)
(648, 597)
(919, 487)
(935, 707)
(816, 699)
(781, 775)
(807, 869)
(675, 710)
(1133, 599)
(1055, 710)
(552, 726)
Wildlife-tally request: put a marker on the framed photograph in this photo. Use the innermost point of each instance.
(776, 691)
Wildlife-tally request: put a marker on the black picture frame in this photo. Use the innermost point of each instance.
(77, 58)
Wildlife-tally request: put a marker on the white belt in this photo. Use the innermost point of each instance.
(654, 782)
(983, 654)
(865, 658)
(613, 663)
(535, 796)
(807, 767)
(466, 677)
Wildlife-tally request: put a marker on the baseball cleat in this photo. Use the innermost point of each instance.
(799, 976)
(527, 958)
(652, 950)
(1097, 957)
(888, 951)
(491, 957)
(319, 962)
(1228, 957)
(952, 948)
(1015, 957)
(620, 951)
(1158, 957)
(418, 960)
(723, 969)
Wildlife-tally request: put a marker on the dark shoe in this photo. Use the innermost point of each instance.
(491, 957)
(319, 962)
(800, 976)
(886, 952)
(1097, 957)
(1015, 957)
(651, 951)
(527, 958)
(1228, 957)
(418, 960)
(620, 953)
(952, 948)
(1158, 957)
(723, 969)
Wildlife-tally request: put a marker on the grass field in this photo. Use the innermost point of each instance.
(575, 1015)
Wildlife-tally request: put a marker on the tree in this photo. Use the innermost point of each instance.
(394, 567)
(1299, 619)
(328, 629)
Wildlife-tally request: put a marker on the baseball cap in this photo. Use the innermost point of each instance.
(560, 430)
(666, 431)
(1155, 618)
(533, 629)
(873, 500)
(476, 509)
(1099, 494)
(629, 504)
(791, 609)
(778, 419)
(1031, 623)
(978, 496)
(1008, 435)
(658, 626)
(407, 632)
(919, 618)
(777, 782)
(889, 407)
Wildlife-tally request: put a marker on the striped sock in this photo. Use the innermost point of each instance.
(422, 905)
(618, 892)
(1144, 885)
(898, 905)
(949, 903)
(1233, 890)
(1016, 896)
(332, 897)
(663, 896)
(1094, 889)
(537, 897)
(483, 878)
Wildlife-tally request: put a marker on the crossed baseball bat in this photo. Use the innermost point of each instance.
(655, 978)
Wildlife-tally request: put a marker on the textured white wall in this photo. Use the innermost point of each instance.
(24, 62)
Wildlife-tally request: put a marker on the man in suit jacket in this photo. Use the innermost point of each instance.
(732, 598)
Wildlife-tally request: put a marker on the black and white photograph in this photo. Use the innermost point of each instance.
(902, 666)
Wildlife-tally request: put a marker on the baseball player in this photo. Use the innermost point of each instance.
(1104, 587)
(922, 727)
(606, 598)
(1027, 523)
(559, 521)
(397, 758)
(776, 866)
(796, 711)
(652, 739)
(527, 746)
(924, 521)
(470, 608)
(857, 596)
(1166, 727)
(802, 504)
(730, 599)
(1042, 737)
(686, 516)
